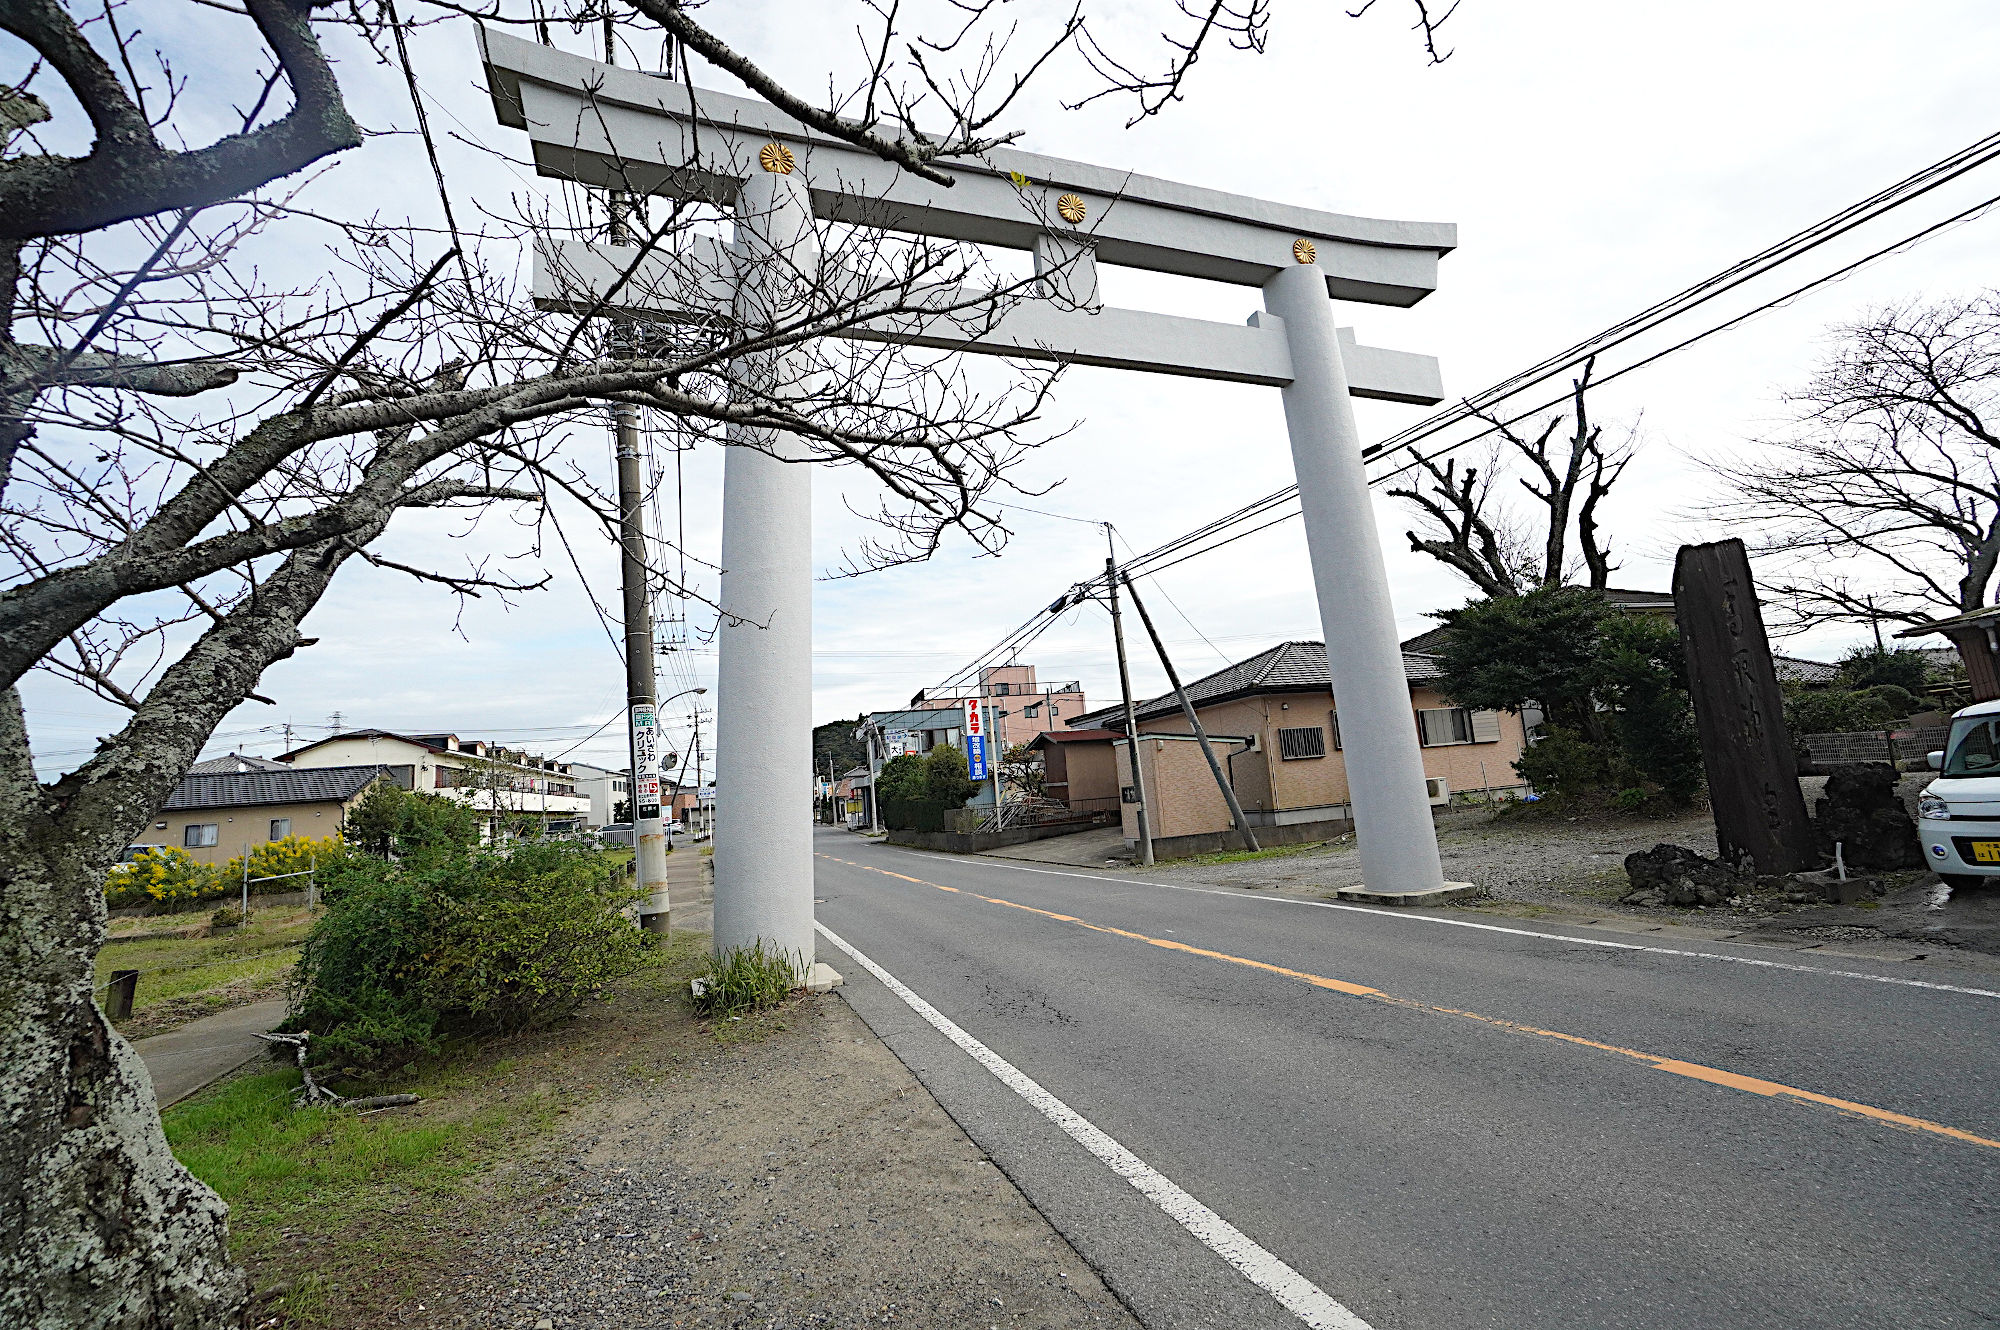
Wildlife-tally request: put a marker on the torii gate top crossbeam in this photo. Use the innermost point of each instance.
(620, 128)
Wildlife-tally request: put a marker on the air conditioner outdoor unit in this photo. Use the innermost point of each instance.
(1436, 791)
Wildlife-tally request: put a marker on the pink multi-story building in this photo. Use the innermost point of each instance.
(1019, 708)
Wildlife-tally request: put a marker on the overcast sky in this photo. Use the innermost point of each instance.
(1595, 158)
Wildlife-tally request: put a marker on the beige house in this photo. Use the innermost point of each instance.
(1079, 768)
(501, 783)
(1273, 722)
(217, 815)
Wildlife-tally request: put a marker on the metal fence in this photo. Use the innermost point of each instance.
(1892, 746)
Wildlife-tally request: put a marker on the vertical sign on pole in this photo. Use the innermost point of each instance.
(975, 739)
(645, 764)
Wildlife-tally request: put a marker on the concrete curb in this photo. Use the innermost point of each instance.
(1450, 891)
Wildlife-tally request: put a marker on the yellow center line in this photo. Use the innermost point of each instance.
(1691, 1070)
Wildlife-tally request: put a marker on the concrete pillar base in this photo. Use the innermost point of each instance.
(1444, 895)
(654, 923)
(822, 978)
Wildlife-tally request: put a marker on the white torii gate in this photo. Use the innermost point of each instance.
(622, 129)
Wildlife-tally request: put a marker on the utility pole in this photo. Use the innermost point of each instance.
(874, 783)
(649, 835)
(1187, 709)
(1125, 688)
(995, 746)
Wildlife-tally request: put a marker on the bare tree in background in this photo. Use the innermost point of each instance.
(190, 452)
(1472, 530)
(1881, 503)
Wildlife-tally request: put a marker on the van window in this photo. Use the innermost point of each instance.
(1974, 749)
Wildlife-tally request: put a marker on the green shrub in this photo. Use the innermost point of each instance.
(393, 823)
(408, 956)
(1541, 647)
(1614, 687)
(1837, 710)
(946, 778)
(1866, 667)
(744, 979)
(902, 777)
(1895, 700)
(1643, 676)
(1566, 765)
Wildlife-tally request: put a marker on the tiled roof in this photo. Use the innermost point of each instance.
(1289, 667)
(1796, 669)
(231, 762)
(241, 789)
(1428, 641)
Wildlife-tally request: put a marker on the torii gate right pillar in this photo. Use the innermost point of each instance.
(1392, 815)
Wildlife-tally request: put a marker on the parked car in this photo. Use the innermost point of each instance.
(1958, 816)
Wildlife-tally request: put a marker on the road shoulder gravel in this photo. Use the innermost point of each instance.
(803, 1179)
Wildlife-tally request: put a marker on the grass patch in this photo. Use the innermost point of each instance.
(332, 1189)
(358, 1216)
(251, 958)
(743, 980)
(1248, 856)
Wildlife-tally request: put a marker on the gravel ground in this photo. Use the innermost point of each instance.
(1523, 857)
(1536, 865)
(803, 1180)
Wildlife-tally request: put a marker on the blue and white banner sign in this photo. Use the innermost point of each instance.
(975, 756)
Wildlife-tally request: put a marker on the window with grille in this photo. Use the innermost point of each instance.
(1333, 726)
(1305, 741)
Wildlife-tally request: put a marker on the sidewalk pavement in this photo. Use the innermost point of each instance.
(1098, 847)
(690, 888)
(184, 1060)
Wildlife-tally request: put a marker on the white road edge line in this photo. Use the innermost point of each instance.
(1404, 917)
(1297, 1294)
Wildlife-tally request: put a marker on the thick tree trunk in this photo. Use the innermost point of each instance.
(99, 1225)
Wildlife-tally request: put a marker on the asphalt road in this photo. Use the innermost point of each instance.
(1443, 1126)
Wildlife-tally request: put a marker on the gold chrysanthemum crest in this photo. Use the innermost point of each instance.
(1303, 251)
(1071, 209)
(776, 158)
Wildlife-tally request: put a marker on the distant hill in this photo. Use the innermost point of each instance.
(836, 739)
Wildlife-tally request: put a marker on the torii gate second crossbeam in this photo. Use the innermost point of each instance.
(623, 129)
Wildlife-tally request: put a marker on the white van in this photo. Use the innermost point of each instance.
(1958, 817)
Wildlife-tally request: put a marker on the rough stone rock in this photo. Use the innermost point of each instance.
(1676, 875)
(1862, 812)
